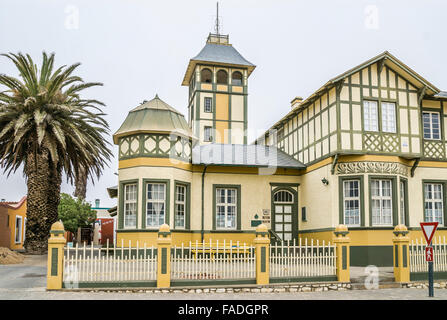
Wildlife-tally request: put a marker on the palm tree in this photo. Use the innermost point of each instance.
(49, 129)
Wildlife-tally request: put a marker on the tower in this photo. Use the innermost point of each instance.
(217, 102)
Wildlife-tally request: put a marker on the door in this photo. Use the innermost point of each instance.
(284, 215)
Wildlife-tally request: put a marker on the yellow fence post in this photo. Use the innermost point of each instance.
(342, 241)
(262, 243)
(401, 254)
(55, 266)
(164, 242)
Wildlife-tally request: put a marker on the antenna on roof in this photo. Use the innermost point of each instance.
(216, 27)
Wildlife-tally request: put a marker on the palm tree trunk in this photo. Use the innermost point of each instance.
(81, 183)
(43, 182)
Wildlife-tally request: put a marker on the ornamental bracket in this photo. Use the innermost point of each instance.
(334, 163)
(415, 164)
(421, 94)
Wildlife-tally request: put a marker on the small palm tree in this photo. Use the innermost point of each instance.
(49, 129)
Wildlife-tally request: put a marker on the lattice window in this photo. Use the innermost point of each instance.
(431, 124)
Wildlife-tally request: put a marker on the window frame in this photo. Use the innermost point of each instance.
(382, 118)
(20, 229)
(217, 77)
(444, 198)
(237, 187)
(341, 181)
(121, 214)
(145, 201)
(210, 139)
(242, 78)
(369, 113)
(187, 186)
(394, 200)
(201, 75)
(431, 124)
(405, 202)
(211, 104)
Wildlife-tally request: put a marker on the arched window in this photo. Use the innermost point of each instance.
(206, 76)
(236, 78)
(283, 196)
(222, 77)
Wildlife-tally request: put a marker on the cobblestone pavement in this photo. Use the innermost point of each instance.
(380, 294)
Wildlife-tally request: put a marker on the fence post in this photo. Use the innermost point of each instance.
(55, 264)
(342, 241)
(262, 243)
(401, 254)
(164, 242)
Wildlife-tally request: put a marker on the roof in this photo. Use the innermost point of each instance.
(441, 94)
(389, 60)
(154, 115)
(112, 191)
(243, 155)
(13, 204)
(222, 54)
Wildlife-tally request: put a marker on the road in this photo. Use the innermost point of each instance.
(28, 281)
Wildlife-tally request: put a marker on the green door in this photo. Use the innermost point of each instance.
(285, 215)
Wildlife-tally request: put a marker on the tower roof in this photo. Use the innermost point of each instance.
(218, 52)
(153, 116)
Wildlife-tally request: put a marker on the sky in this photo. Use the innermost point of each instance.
(138, 48)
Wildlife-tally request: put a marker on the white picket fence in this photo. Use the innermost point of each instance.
(302, 259)
(213, 260)
(97, 265)
(417, 255)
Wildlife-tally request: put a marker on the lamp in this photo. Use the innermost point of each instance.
(325, 181)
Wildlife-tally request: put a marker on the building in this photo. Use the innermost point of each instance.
(367, 149)
(104, 228)
(13, 224)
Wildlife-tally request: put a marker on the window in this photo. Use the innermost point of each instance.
(370, 122)
(283, 196)
(130, 205)
(155, 204)
(24, 230)
(434, 202)
(431, 125)
(180, 206)
(18, 237)
(381, 202)
(222, 77)
(236, 78)
(402, 199)
(388, 117)
(351, 202)
(208, 104)
(226, 206)
(206, 76)
(207, 136)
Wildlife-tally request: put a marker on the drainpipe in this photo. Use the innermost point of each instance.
(203, 203)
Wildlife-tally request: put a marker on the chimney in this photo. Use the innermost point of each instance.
(97, 202)
(296, 102)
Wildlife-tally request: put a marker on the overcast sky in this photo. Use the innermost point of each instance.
(138, 48)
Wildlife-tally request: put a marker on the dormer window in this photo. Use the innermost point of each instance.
(206, 76)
